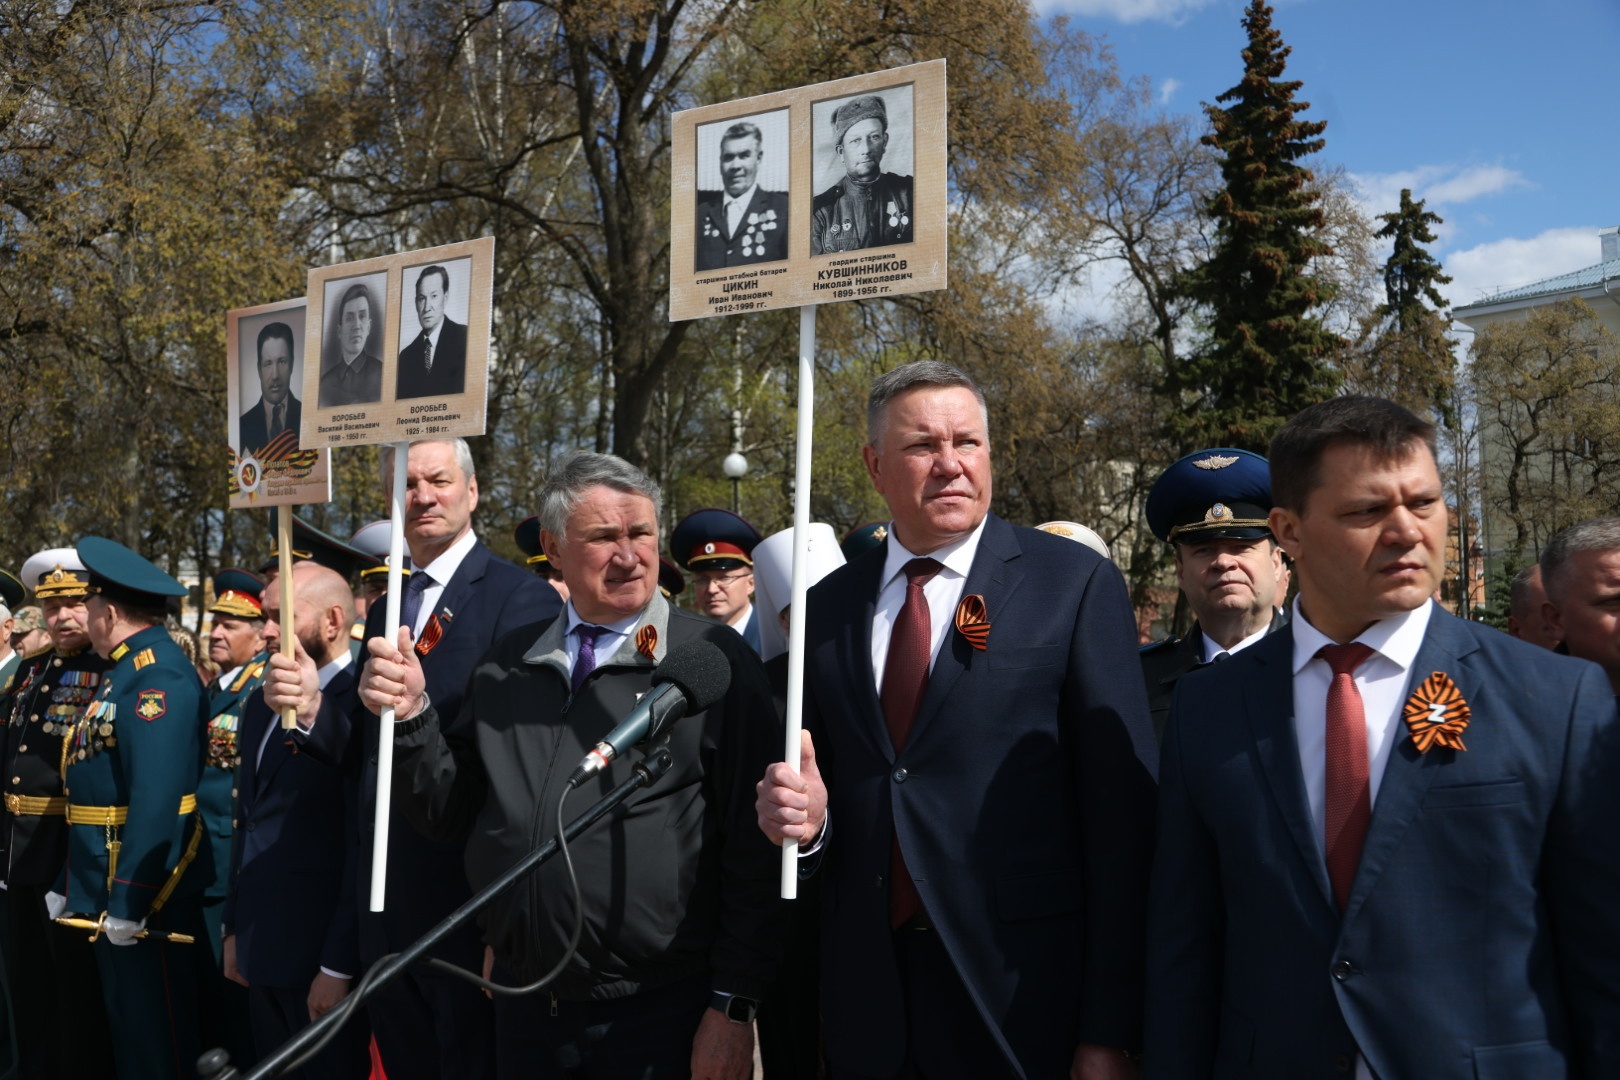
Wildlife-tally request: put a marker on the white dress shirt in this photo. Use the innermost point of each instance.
(607, 642)
(439, 573)
(944, 592)
(734, 209)
(1212, 648)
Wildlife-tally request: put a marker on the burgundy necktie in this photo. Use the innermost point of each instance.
(905, 679)
(1349, 798)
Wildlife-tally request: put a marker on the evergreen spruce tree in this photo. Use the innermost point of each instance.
(1266, 356)
(1405, 354)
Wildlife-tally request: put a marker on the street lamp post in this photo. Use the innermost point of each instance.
(736, 467)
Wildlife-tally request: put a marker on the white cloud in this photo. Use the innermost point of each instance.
(1167, 90)
(1126, 11)
(1479, 271)
(1438, 185)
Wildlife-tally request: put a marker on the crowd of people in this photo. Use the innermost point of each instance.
(1332, 830)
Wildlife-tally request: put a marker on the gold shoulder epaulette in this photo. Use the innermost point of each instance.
(143, 658)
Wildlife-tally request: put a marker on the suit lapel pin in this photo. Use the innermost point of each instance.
(647, 641)
(973, 621)
(1437, 713)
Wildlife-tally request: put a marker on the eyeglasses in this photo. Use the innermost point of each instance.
(725, 581)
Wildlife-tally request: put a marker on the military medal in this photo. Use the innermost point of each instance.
(1437, 713)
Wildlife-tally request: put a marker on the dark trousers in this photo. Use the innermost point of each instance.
(52, 972)
(278, 1014)
(150, 989)
(433, 1027)
(646, 1036)
(790, 1015)
(946, 1038)
(223, 1020)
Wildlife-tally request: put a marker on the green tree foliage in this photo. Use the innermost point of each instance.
(1267, 353)
(1547, 388)
(1404, 352)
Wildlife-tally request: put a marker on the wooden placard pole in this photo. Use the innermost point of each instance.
(801, 571)
(284, 582)
(385, 731)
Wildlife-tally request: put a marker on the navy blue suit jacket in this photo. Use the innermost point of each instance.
(485, 599)
(1482, 934)
(1023, 802)
(291, 901)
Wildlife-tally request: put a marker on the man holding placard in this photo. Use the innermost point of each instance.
(989, 761)
(459, 599)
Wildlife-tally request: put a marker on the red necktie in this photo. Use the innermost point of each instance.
(1349, 799)
(905, 680)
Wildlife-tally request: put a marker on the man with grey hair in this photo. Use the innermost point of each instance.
(460, 599)
(681, 922)
(990, 767)
(1526, 620)
(1581, 568)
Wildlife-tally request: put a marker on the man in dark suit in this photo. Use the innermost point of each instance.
(1211, 507)
(1386, 835)
(434, 364)
(988, 823)
(459, 600)
(351, 374)
(743, 224)
(278, 409)
(291, 925)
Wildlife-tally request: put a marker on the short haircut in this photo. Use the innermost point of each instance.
(464, 458)
(1519, 593)
(743, 130)
(276, 330)
(1385, 428)
(444, 276)
(578, 473)
(358, 291)
(1599, 534)
(891, 384)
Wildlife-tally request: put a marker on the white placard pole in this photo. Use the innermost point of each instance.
(284, 570)
(801, 572)
(385, 731)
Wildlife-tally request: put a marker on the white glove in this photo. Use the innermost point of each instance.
(121, 931)
(55, 904)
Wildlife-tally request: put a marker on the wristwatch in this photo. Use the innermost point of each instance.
(737, 1009)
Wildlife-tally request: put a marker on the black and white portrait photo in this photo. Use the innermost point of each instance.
(742, 191)
(433, 330)
(351, 364)
(863, 168)
(268, 359)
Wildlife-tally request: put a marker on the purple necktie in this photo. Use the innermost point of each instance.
(586, 663)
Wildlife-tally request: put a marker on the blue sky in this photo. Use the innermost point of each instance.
(1503, 115)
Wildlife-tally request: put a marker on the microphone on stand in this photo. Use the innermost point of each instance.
(692, 678)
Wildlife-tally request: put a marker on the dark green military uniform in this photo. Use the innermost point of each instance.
(136, 846)
(45, 962)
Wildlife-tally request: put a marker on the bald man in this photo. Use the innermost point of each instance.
(291, 921)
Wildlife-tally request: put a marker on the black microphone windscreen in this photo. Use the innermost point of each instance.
(701, 671)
